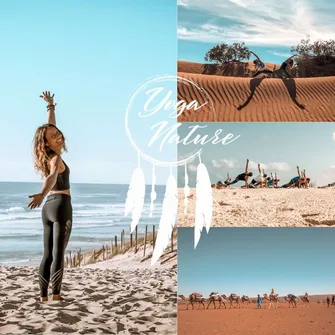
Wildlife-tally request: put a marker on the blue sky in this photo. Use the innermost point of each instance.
(252, 261)
(278, 147)
(93, 55)
(268, 27)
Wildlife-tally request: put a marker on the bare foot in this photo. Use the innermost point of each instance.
(57, 297)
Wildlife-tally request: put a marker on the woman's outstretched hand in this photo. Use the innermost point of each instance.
(46, 96)
(37, 200)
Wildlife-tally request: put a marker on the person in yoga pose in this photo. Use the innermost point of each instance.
(242, 177)
(260, 180)
(282, 72)
(287, 65)
(298, 181)
(260, 66)
(49, 144)
(228, 180)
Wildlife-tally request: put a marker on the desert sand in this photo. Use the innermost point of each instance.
(314, 320)
(263, 100)
(119, 296)
(237, 207)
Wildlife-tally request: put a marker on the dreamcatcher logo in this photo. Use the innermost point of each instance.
(152, 114)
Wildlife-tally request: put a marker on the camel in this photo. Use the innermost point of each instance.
(233, 297)
(273, 298)
(244, 299)
(305, 299)
(194, 297)
(214, 296)
(291, 299)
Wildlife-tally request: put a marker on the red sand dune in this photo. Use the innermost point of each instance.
(263, 100)
(314, 320)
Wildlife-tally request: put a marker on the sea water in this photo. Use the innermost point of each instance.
(98, 215)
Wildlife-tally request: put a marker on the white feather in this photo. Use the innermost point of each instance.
(186, 191)
(153, 194)
(204, 202)
(135, 197)
(168, 218)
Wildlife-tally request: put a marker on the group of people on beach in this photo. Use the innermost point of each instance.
(263, 180)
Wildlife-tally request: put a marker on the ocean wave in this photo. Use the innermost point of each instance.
(15, 209)
(15, 261)
(19, 235)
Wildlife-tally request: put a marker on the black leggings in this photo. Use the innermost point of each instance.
(57, 224)
(240, 177)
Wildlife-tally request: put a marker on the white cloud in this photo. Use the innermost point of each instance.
(183, 3)
(224, 163)
(270, 167)
(334, 136)
(233, 164)
(260, 22)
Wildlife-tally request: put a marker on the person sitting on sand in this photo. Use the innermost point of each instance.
(49, 144)
(241, 177)
(259, 301)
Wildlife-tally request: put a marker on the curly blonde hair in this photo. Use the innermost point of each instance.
(42, 152)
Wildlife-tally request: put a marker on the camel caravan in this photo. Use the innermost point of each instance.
(235, 301)
(262, 180)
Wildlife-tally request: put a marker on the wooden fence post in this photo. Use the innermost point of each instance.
(131, 240)
(136, 240)
(145, 239)
(153, 237)
(79, 254)
(115, 238)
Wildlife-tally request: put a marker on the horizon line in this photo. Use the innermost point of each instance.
(91, 183)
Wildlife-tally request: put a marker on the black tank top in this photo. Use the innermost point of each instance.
(63, 180)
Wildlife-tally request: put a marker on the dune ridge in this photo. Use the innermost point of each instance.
(261, 99)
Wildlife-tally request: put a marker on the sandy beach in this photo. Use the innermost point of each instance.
(314, 320)
(123, 295)
(238, 207)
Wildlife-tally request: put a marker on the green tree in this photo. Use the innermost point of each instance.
(223, 53)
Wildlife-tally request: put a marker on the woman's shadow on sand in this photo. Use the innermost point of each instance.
(290, 86)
